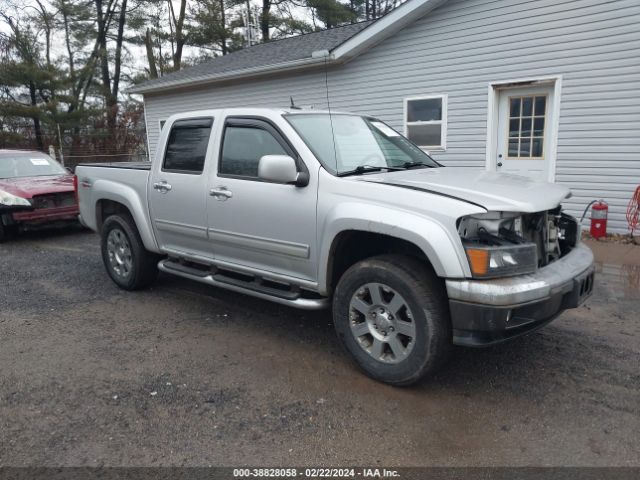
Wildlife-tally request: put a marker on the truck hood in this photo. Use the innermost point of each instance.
(28, 187)
(490, 190)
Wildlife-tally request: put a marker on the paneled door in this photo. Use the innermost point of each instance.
(523, 142)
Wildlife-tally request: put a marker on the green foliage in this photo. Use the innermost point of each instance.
(331, 12)
(62, 61)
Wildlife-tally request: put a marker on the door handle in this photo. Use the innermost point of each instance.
(162, 186)
(221, 193)
(499, 164)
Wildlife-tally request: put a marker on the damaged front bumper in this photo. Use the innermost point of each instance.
(484, 312)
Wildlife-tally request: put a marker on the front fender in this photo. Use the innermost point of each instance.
(129, 197)
(435, 239)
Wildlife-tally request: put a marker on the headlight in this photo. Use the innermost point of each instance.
(501, 261)
(9, 200)
(495, 245)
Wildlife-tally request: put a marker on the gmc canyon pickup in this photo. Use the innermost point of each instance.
(311, 209)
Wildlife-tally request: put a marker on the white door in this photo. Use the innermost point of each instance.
(523, 145)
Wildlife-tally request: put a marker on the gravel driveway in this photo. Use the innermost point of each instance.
(182, 374)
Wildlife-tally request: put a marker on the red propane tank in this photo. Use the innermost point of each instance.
(599, 213)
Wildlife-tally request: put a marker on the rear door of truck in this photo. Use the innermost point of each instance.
(177, 189)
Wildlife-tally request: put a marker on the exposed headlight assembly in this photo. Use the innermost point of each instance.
(501, 261)
(9, 200)
(495, 246)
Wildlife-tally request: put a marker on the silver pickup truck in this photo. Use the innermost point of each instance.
(314, 209)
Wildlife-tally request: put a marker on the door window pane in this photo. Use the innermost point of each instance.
(527, 106)
(536, 147)
(540, 105)
(513, 147)
(187, 145)
(515, 106)
(526, 127)
(514, 127)
(243, 147)
(525, 137)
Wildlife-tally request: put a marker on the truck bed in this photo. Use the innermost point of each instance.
(124, 182)
(126, 165)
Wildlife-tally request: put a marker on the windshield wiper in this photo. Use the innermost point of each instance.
(360, 169)
(408, 165)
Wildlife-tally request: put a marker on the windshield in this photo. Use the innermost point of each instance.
(343, 143)
(28, 166)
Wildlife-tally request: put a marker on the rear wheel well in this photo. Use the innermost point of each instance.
(106, 208)
(352, 246)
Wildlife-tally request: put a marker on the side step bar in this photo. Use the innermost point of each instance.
(254, 288)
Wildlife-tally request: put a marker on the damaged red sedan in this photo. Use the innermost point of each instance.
(35, 191)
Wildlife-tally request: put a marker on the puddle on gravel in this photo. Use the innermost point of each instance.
(623, 281)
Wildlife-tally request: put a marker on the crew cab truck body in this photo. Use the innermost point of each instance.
(315, 209)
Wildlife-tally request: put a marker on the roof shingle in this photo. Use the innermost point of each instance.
(261, 55)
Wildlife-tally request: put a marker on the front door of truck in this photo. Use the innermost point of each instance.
(254, 223)
(178, 189)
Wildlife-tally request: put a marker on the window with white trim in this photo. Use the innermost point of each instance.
(425, 121)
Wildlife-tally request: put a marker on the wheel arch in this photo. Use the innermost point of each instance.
(115, 198)
(386, 231)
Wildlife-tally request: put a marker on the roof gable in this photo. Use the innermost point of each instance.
(335, 45)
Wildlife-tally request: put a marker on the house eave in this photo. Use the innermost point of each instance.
(244, 74)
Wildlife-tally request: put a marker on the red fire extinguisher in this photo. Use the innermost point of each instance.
(599, 213)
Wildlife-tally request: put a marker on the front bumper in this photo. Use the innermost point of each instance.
(46, 215)
(484, 312)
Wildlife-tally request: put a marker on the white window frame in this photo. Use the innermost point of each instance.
(444, 98)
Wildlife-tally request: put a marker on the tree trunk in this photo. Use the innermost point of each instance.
(148, 43)
(111, 103)
(36, 120)
(118, 55)
(223, 29)
(265, 20)
(180, 38)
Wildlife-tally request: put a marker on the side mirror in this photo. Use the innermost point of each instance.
(281, 169)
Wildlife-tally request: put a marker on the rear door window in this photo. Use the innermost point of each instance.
(187, 146)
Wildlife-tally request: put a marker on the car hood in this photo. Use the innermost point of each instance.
(490, 190)
(28, 187)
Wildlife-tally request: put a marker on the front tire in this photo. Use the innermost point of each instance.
(128, 263)
(391, 314)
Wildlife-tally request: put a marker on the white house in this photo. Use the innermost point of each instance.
(545, 88)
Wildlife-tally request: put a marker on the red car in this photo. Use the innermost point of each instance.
(35, 190)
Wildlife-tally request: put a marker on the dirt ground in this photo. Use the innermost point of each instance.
(182, 374)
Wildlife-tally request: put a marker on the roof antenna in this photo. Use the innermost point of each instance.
(326, 86)
(293, 106)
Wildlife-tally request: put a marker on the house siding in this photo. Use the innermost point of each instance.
(462, 47)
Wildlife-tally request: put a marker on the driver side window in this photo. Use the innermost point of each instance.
(242, 148)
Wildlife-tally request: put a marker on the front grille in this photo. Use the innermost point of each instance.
(54, 200)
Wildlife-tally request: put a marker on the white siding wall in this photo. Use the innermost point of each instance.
(462, 47)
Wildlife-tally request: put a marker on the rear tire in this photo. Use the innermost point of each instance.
(128, 263)
(391, 314)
